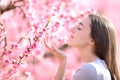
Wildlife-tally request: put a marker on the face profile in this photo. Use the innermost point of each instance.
(80, 34)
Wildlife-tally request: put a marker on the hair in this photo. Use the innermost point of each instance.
(104, 36)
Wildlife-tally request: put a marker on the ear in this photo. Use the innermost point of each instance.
(91, 42)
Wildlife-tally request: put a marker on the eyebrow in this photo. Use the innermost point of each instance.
(81, 24)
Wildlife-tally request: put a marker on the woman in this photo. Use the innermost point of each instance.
(94, 37)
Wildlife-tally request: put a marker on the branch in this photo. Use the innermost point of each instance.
(4, 39)
(9, 6)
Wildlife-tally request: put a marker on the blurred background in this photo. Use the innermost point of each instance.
(23, 25)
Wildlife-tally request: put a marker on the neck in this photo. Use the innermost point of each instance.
(87, 54)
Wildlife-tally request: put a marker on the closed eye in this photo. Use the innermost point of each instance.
(80, 26)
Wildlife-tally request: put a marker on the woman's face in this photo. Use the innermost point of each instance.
(80, 34)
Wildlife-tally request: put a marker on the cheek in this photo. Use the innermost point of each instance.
(79, 39)
(83, 38)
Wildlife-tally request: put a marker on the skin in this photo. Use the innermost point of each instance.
(80, 38)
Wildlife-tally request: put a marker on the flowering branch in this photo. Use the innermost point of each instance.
(4, 39)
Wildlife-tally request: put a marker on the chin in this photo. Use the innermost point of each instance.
(70, 43)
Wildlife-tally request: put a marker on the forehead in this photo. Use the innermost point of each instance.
(86, 21)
